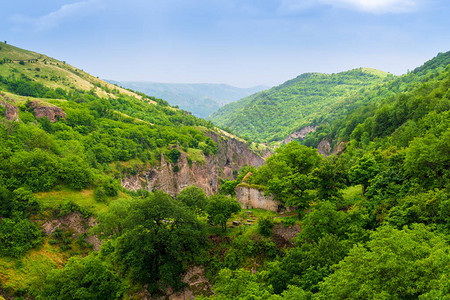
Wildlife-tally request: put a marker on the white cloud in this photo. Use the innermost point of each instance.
(64, 13)
(376, 6)
(371, 6)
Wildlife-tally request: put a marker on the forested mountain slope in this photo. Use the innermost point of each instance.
(107, 122)
(273, 114)
(374, 218)
(96, 202)
(69, 142)
(202, 99)
(394, 108)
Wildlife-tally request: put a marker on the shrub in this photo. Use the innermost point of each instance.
(17, 236)
(265, 225)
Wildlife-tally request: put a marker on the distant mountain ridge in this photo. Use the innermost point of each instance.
(273, 114)
(201, 99)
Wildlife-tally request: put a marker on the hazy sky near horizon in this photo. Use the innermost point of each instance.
(238, 42)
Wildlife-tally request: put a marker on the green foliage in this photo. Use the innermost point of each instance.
(287, 174)
(194, 198)
(107, 187)
(306, 265)
(239, 284)
(329, 178)
(69, 207)
(220, 208)
(363, 171)
(20, 202)
(75, 172)
(83, 278)
(325, 219)
(113, 221)
(17, 236)
(394, 264)
(273, 114)
(159, 238)
(227, 187)
(430, 207)
(395, 136)
(173, 155)
(36, 170)
(428, 161)
(265, 226)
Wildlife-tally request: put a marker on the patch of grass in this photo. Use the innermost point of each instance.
(84, 198)
(352, 194)
(196, 155)
(28, 273)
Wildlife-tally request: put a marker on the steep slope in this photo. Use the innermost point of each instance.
(273, 114)
(386, 193)
(201, 99)
(109, 124)
(390, 108)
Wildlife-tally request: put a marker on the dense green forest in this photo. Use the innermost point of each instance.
(397, 108)
(306, 100)
(371, 222)
(101, 132)
(390, 240)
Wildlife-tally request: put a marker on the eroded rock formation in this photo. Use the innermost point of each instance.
(11, 112)
(325, 148)
(77, 224)
(300, 134)
(53, 113)
(250, 197)
(172, 178)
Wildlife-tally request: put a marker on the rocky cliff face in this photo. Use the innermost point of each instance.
(325, 149)
(11, 112)
(252, 198)
(53, 113)
(172, 178)
(301, 134)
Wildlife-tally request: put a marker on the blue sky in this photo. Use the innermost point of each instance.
(239, 42)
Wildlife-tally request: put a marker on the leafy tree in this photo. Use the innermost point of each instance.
(265, 225)
(428, 207)
(220, 208)
(239, 284)
(160, 237)
(37, 170)
(194, 197)
(325, 218)
(427, 160)
(76, 172)
(394, 264)
(173, 155)
(306, 265)
(83, 278)
(113, 222)
(287, 174)
(329, 178)
(363, 171)
(17, 236)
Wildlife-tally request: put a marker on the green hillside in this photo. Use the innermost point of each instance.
(66, 140)
(375, 217)
(394, 107)
(201, 99)
(370, 221)
(273, 114)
